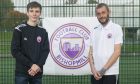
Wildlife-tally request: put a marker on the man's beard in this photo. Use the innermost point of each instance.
(105, 22)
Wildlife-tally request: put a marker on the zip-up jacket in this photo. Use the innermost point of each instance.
(30, 45)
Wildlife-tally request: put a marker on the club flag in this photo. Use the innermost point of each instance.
(69, 45)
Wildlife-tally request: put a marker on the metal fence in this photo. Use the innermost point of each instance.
(124, 12)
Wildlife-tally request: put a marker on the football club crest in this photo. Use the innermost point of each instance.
(109, 35)
(67, 45)
(71, 47)
(39, 39)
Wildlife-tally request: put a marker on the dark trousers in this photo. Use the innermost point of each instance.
(107, 79)
(20, 79)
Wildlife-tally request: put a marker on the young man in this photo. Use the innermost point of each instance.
(106, 41)
(30, 47)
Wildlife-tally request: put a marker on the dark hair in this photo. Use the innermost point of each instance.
(102, 5)
(34, 4)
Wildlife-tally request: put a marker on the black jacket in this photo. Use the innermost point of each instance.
(30, 45)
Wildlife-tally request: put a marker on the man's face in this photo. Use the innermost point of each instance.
(102, 15)
(33, 14)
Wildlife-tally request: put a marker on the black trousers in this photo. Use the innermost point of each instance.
(106, 79)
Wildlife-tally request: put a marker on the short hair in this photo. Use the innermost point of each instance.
(102, 5)
(34, 4)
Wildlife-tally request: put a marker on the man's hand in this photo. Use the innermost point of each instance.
(31, 72)
(34, 70)
(102, 71)
(96, 74)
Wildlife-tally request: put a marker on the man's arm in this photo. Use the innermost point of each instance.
(117, 49)
(90, 56)
(112, 59)
(16, 48)
(45, 49)
(35, 68)
(91, 62)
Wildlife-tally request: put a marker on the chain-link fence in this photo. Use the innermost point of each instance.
(124, 12)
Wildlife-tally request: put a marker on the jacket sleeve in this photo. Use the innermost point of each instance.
(45, 49)
(16, 49)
